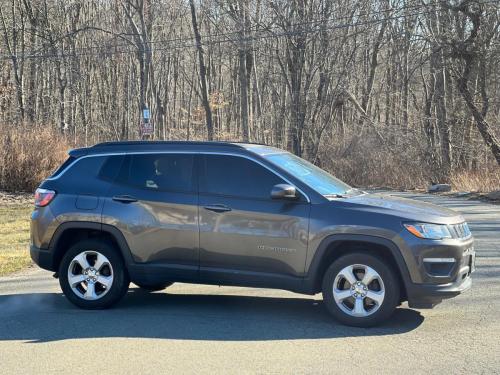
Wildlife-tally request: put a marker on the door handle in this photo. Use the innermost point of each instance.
(124, 198)
(217, 207)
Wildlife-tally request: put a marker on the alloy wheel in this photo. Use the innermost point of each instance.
(90, 275)
(358, 290)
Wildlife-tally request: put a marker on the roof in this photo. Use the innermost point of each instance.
(151, 146)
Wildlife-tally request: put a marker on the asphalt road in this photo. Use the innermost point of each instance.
(207, 329)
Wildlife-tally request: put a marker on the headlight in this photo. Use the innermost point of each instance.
(428, 231)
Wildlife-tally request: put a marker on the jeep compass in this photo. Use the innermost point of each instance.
(155, 213)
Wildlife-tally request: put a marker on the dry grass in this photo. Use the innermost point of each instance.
(14, 236)
(28, 154)
(365, 163)
(483, 181)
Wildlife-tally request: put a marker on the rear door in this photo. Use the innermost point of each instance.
(241, 227)
(154, 203)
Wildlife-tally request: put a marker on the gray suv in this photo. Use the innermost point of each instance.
(154, 213)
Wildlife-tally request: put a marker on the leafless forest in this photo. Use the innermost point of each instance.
(380, 92)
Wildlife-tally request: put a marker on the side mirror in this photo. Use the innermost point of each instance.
(284, 191)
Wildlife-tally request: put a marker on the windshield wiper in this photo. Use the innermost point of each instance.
(335, 196)
(346, 194)
(356, 191)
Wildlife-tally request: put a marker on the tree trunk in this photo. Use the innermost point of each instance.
(484, 128)
(203, 73)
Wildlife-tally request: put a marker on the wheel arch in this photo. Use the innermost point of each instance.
(336, 245)
(69, 233)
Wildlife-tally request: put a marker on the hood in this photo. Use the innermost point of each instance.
(407, 209)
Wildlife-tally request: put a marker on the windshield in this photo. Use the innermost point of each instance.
(321, 181)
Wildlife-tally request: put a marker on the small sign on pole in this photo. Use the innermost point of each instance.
(146, 127)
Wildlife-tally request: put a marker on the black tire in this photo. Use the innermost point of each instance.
(120, 282)
(389, 279)
(152, 287)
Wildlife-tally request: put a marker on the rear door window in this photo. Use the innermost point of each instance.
(162, 172)
(110, 168)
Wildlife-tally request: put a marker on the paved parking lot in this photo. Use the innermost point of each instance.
(208, 329)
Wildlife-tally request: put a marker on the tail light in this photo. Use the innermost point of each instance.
(43, 197)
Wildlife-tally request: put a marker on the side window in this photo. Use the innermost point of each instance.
(83, 176)
(85, 168)
(110, 168)
(163, 172)
(63, 166)
(237, 176)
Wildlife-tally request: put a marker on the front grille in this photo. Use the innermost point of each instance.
(460, 231)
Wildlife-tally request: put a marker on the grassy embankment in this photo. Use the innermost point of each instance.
(14, 236)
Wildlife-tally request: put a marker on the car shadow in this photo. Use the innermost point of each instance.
(44, 317)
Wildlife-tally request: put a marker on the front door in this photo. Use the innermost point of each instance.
(241, 227)
(154, 203)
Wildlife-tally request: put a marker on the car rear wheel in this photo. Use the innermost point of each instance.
(360, 290)
(152, 287)
(92, 275)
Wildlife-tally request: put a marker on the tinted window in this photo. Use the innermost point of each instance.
(80, 177)
(104, 167)
(63, 166)
(111, 167)
(237, 176)
(85, 168)
(169, 172)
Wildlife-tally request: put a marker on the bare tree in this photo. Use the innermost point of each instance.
(357, 86)
(203, 73)
(474, 52)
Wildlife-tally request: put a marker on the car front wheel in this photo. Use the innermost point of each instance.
(92, 275)
(360, 290)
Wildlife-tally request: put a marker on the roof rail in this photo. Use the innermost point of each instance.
(139, 143)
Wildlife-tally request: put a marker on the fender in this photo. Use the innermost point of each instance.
(104, 228)
(311, 279)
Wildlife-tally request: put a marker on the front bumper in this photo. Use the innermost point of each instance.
(425, 296)
(418, 252)
(444, 271)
